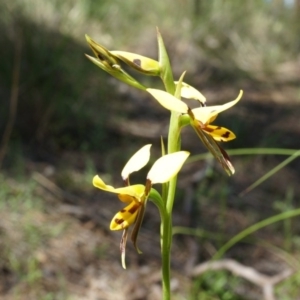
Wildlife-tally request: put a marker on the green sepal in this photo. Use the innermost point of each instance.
(142, 64)
(110, 63)
(117, 72)
(102, 53)
(165, 68)
(156, 198)
(184, 120)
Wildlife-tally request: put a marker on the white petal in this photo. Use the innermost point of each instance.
(167, 167)
(168, 101)
(137, 161)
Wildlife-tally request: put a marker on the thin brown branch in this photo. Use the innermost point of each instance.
(267, 283)
(13, 98)
(54, 189)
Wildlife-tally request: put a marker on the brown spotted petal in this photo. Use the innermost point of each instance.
(219, 134)
(125, 217)
(213, 147)
(138, 62)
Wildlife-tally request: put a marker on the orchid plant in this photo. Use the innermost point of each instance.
(164, 171)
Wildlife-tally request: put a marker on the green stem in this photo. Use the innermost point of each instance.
(165, 255)
(166, 228)
(173, 146)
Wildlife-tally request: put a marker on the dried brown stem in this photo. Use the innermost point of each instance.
(267, 283)
(13, 98)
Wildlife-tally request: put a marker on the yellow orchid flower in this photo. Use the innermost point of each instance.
(110, 61)
(136, 195)
(200, 119)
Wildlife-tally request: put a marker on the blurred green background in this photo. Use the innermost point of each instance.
(62, 120)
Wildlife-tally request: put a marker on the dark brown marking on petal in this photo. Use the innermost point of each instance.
(208, 129)
(123, 210)
(226, 134)
(190, 113)
(133, 209)
(101, 57)
(137, 62)
(119, 221)
(218, 128)
(200, 124)
(148, 187)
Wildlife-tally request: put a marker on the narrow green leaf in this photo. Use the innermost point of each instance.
(165, 67)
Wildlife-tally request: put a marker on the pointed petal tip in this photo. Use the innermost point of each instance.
(240, 94)
(137, 161)
(99, 183)
(95, 179)
(88, 39)
(89, 57)
(123, 260)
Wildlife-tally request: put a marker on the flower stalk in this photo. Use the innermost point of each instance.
(164, 171)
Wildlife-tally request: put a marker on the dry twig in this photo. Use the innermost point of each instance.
(267, 283)
(13, 103)
(53, 188)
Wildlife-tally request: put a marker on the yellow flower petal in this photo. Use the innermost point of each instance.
(99, 183)
(137, 161)
(220, 134)
(189, 92)
(204, 114)
(127, 199)
(125, 217)
(135, 191)
(167, 167)
(168, 101)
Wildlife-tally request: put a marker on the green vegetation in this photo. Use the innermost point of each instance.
(25, 231)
